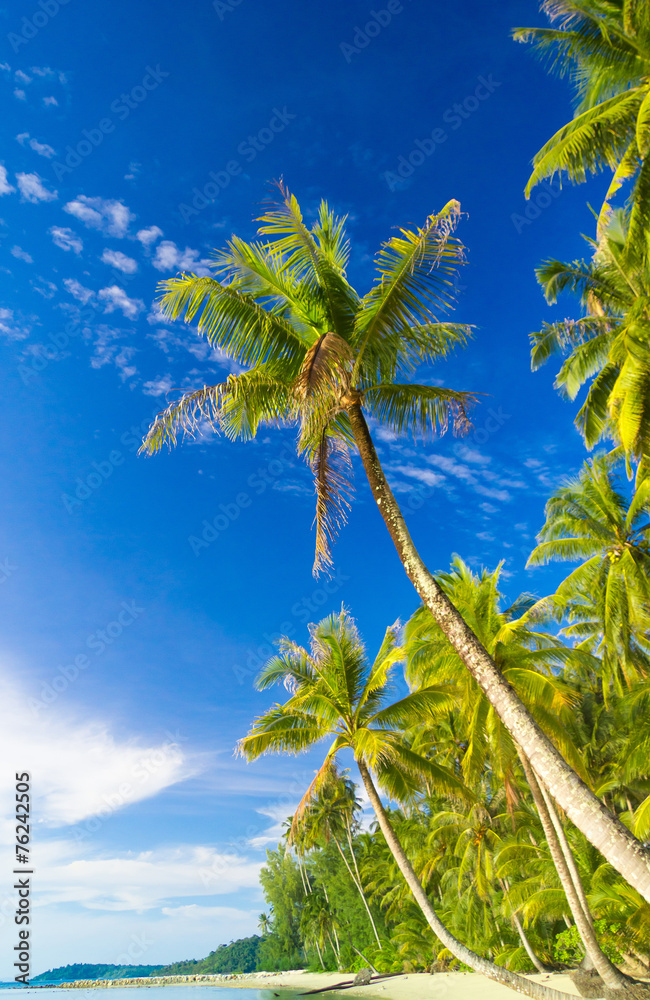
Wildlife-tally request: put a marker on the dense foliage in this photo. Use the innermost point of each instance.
(69, 973)
(238, 956)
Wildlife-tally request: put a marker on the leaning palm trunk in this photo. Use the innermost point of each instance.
(576, 898)
(604, 830)
(459, 950)
(539, 965)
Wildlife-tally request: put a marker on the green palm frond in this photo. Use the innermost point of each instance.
(423, 410)
(598, 136)
(232, 320)
(415, 277)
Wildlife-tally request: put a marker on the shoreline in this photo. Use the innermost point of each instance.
(411, 986)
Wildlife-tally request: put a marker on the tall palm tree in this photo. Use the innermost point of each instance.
(321, 356)
(336, 691)
(605, 599)
(605, 46)
(608, 347)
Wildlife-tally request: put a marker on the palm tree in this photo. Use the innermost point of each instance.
(608, 346)
(528, 659)
(319, 355)
(605, 46)
(605, 598)
(336, 691)
(329, 816)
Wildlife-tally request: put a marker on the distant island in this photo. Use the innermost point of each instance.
(238, 956)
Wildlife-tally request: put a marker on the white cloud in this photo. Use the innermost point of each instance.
(9, 328)
(107, 352)
(32, 188)
(119, 260)
(42, 71)
(489, 508)
(5, 186)
(139, 882)
(81, 766)
(471, 455)
(20, 94)
(170, 258)
(21, 255)
(42, 148)
(156, 315)
(115, 297)
(133, 171)
(485, 536)
(50, 102)
(22, 77)
(46, 288)
(66, 239)
(5, 66)
(158, 386)
(423, 475)
(148, 236)
(109, 216)
(79, 291)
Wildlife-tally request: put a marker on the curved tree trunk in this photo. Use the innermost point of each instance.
(460, 951)
(609, 974)
(602, 829)
(539, 965)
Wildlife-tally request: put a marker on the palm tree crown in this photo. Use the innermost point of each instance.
(605, 45)
(312, 347)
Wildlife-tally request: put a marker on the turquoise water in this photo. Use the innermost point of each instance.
(198, 992)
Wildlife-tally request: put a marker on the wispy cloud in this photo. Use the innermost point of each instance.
(119, 260)
(42, 148)
(79, 291)
(21, 254)
(115, 297)
(65, 239)
(108, 215)
(169, 257)
(5, 186)
(32, 188)
(10, 328)
(158, 386)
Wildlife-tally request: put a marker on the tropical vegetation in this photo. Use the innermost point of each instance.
(501, 747)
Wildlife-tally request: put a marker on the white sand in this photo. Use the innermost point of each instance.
(422, 986)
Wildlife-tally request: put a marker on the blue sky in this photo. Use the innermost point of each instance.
(128, 650)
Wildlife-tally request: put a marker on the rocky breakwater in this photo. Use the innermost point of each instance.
(85, 984)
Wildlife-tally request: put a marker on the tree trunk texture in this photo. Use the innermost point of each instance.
(604, 830)
(511, 979)
(609, 974)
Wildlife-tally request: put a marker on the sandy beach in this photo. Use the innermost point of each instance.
(415, 986)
